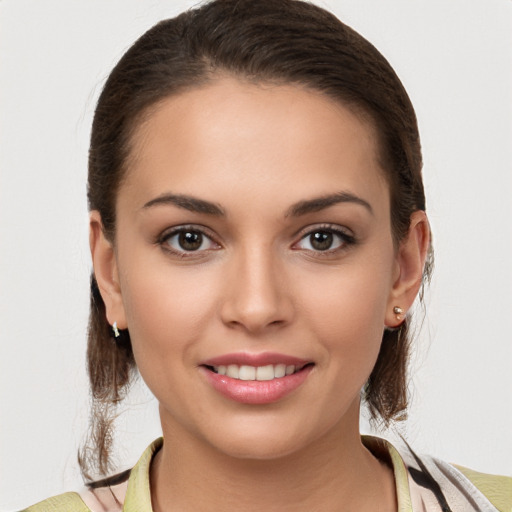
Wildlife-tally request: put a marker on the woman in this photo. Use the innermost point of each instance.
(258, 235)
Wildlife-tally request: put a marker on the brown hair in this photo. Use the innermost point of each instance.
(279, 41)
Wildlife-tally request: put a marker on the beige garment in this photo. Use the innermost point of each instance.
(418, 480)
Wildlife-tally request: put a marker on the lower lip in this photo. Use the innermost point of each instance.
(256, 392)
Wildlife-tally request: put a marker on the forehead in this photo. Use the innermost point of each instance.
(258, 135)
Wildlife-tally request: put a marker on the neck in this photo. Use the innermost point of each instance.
(319, 477)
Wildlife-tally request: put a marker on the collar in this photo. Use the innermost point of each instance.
(412, 494)
(138, 493)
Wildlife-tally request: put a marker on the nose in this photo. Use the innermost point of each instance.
(257, 298)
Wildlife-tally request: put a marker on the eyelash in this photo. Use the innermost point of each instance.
(345, 240)
(164, 239)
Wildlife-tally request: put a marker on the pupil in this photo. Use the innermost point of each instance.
(190, 240)
(321, 240)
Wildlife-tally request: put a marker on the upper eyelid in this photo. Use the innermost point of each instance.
(335, 228)
(163, 240)
(345, 234)
(168, 232)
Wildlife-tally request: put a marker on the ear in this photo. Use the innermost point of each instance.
(410, 262)
(105, 271)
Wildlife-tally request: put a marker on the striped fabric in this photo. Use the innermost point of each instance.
(423, 484)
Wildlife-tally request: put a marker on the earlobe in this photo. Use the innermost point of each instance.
(411, 256)
(105, 271)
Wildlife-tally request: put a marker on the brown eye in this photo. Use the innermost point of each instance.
(190, 240)
(325, 240)
(183, 240)
(321, 240)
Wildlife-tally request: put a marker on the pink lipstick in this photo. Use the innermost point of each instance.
(255, 378)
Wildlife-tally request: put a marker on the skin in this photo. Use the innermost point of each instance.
(257, 284)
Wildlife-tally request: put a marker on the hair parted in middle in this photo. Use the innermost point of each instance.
(264, 41)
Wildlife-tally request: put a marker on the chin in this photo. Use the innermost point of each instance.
(268, 440)
(260, 449)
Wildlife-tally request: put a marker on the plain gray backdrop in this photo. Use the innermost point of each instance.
(455, 59)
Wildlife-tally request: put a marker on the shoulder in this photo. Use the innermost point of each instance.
(67, 502)
(101, 499)
(110, 494)
(497, 488)
(456, 487)
(425, 483)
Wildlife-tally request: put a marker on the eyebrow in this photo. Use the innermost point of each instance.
(320, 203)
(192, 204)
(316, 204)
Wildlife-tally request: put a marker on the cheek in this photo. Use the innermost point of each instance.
(167, 310)
(349, 300)
(347, 308)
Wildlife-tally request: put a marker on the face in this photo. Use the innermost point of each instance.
(255, 265)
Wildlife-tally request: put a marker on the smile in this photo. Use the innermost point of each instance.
(256, 379)
(261, 373)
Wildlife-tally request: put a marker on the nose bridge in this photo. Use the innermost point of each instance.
(256, 296)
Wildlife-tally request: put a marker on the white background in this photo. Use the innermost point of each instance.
(455, 59)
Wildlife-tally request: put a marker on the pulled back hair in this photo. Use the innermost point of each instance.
(277, 41)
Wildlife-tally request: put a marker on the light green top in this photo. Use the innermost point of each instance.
(497, 489)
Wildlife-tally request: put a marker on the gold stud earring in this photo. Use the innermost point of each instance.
(116, 330)
(398, 312)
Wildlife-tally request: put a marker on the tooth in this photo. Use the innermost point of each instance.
(265, 372)
(247, 373)
(290, 369)
(232, 371)
(216, 369)
(279, 370)
(221, 370)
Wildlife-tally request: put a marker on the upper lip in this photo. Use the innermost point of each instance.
(248, 359)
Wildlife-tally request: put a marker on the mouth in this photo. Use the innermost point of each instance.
(257, 373)
(256, 379)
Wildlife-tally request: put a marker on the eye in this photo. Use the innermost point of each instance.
(184, 240)
(324, 239)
